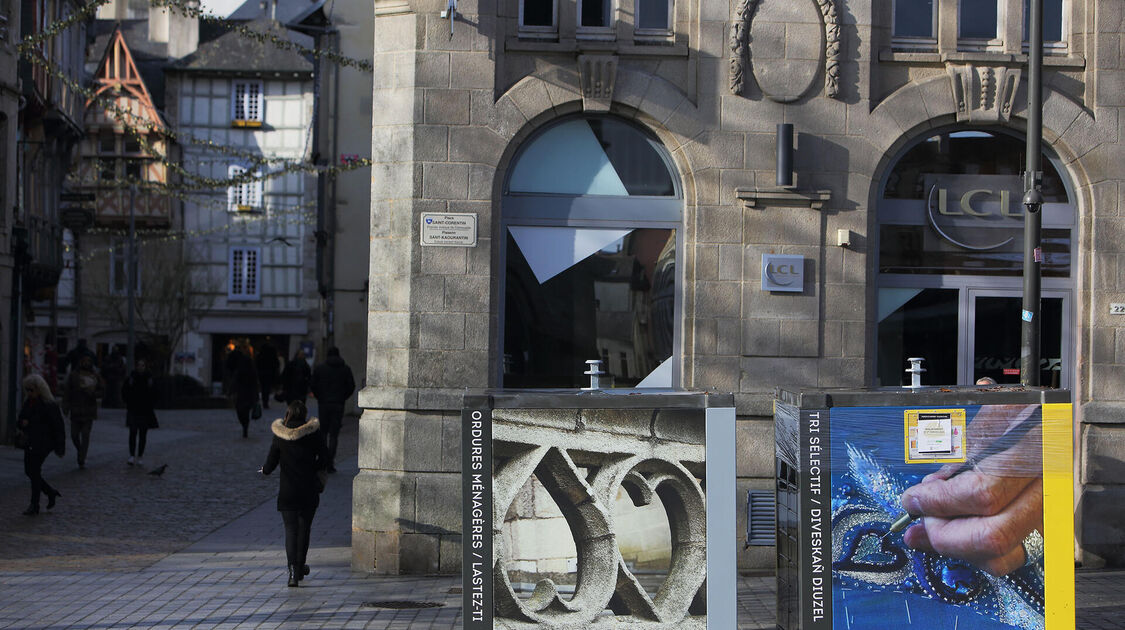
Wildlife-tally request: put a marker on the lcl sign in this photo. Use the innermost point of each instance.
(783, 273)
(959, 206)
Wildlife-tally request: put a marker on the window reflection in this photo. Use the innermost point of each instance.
(966, 153)
(977, 19)
(917, 323)
(914, 18)
(616, 304)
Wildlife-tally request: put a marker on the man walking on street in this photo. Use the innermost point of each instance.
(295, 378)
(266, 362)
(80, 400)
(332, 384)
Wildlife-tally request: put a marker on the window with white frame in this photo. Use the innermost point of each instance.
(978, 24)
(539, 17)
(654, 17)
(1053, 18)
(244, 195)
(119, 269)
(595, 17)
(914, 22)
(245, 265)
(246, 104)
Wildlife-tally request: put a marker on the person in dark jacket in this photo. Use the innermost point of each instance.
(139, 393)
(243, 385)
(40, 427)
(298, 447)
(295, 378)
(332, 383)
(267, 364)
(113, 374)
(80, 401)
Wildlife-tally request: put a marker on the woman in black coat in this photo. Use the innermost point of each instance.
(139, 393)
(298, 447)
(40, 427)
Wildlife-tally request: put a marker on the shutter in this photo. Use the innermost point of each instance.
(236, 272)
(239, 103)
(254, 101)
(761, 520)
(235, 192)
(251, 264)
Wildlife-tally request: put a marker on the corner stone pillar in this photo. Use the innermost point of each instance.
(382, 487)
(406, 513)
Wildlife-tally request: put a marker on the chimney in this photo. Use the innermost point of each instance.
(158, 25)
(183, 31)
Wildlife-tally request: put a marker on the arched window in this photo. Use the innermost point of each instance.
(950, 264)
(590, 218)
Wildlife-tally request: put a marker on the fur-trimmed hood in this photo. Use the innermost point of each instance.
(292, 435)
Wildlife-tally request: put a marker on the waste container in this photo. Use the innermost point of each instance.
(545, 473)
(990, 469)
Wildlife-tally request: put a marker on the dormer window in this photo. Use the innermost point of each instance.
(246, 104)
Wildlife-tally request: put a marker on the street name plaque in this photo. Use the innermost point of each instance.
(444, 229)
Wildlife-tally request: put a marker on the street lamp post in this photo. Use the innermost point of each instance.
(1033, 202)
(131, 277)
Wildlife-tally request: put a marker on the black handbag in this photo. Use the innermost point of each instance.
(256, 412)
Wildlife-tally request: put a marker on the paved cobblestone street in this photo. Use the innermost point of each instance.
(201, 545)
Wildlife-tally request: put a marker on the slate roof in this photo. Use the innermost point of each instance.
(235, 53)
(288, 11)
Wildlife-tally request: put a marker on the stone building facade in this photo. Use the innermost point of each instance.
(620, 162)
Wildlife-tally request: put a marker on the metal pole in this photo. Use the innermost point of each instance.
(131, 266)
(1033, 200)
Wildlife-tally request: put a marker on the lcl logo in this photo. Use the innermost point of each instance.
(783, 273)
(966, 209)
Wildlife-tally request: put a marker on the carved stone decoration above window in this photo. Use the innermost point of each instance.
(739, 46)
(792, 40)
(983, 93)
(598, 73)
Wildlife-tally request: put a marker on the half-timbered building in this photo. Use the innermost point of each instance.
(122, 175)
(247, 106)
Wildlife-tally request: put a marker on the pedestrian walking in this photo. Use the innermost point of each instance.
(295, 378)
(80, 401)
(113, 374)
(267, 364)
(332, 383)
(39, 431)
(139, 393)
(76, 353)
(298, 447)
(243, 384)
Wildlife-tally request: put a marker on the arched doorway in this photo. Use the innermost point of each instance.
(590, 222)
(950, 247)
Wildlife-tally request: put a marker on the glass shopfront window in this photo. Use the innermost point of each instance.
(950, 243)
(591, 218)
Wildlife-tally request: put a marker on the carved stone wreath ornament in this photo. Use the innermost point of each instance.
(741, 38)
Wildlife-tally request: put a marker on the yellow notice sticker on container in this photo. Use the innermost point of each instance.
(934, 436)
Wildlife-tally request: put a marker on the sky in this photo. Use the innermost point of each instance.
(221, 8)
